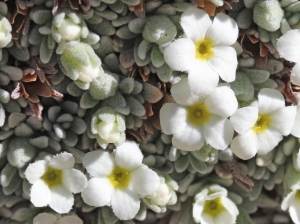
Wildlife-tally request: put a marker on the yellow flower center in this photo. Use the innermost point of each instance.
(213, 207)
(52, 177)
(262, 123)
(198, 114)
(119, 177)
(204, 49)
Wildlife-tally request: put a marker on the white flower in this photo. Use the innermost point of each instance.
(288, 46)
(194, 119)
(163, 195)
(205, 52)
(54, 181)
(119, 181)
(262, 125)
(213, 207)
(292, 202)
(108, 126)
(109, 131)
(5, 32)
(296, 128)
(46, 218)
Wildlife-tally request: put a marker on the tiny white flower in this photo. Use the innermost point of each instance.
(5, 32)
(163, 195)
(194, 119)
(205, 53)
(109, 131)
(119, 181)
(54, 181)
(108, 126)
(262, 125)
(46, 218)
(292, 202)
(213, 207)
(288, 46)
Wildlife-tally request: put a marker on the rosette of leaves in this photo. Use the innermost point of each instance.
(55, 32)
(156, 31)
(250, 80)
(64, 125)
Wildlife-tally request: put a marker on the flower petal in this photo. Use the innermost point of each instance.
(197, 210)
(195, 23)
(189, 139)
(205, 218)
(294, 210)
(98, 163)
(202, 78)
(296, 127)
(244, 119)
(44, 218)
(128, 155)
(144, 181)
(224, 62)
(173, 118)
(225, 217)
(74, 180)
(230, 206)
(98, 192)
(287, 201)
(269, 100)
(218, 132)
(69, 220)
(244, 146)
(125, 204)
(224, 30)
(267, 140)
(180, 54)
(35, 170)
(182, 94)
(288, 45)
(63, 160)
(40, 194)
(62, 200)
(283, 120)
(222, 102)
(295, 74)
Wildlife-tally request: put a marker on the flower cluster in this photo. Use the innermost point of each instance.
(132, 111)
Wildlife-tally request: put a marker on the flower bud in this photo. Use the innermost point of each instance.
(5, 32)
(80, 62)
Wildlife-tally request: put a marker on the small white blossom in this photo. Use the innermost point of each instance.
(5, 32)
(213, 207)
(262, 124)
(54, 181)
(288, 46)
(205, 53)
(108, 126)
(119, 181)
(163, 195)
(292, 202)
(194, 119)
(46, 218)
